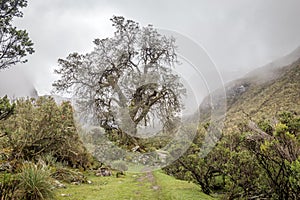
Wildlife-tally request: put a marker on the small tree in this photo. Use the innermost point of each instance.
(276, 148)
(14, 44)
(126, 81)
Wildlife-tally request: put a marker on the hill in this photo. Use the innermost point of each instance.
(261, 93)
(257, 156)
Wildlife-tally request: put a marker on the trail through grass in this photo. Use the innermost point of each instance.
(142, 186)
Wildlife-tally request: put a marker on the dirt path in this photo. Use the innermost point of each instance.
(148, 179)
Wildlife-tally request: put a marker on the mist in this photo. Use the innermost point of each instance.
(238, 36)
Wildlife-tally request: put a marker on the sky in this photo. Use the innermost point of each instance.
(237, 35)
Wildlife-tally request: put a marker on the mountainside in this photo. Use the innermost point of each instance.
(261, 93)
(257, 154)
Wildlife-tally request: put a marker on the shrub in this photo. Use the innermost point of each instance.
(68, 175)
(40, 128)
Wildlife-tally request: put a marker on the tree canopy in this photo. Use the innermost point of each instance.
(127, 81)
(15, 44)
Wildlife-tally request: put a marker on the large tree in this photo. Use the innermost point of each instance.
(127, 81)
(15, 44)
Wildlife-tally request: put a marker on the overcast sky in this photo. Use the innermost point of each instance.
(238, 35)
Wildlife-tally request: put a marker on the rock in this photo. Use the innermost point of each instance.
(134, 149)
(89, 182)
(65, 195)
(103, 171)
(6, 167)
(98, 174)
(58, 184)
(162, 155)
(155, 187)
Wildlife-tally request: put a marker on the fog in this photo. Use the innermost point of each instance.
(238, 36)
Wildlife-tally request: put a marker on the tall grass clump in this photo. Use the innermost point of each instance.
(35, 182)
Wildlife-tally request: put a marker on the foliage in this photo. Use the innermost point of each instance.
(294, 178)
(127, 81)
(6, 108)
(191, 166)
(8, 186)
(68, 175)
(35, 183)
(278, 154)
(14, 44)
(40, 127)
(262, 103)
(251, 163)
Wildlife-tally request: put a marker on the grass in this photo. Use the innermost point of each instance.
(174, 189)
(134, 186)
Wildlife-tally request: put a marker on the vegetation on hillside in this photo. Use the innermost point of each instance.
(39, 143)
(39, 128)
(258, 155)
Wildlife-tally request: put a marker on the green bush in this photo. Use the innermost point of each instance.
(68, 175)
(40, 128)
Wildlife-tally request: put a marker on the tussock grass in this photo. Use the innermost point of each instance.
(35, 183)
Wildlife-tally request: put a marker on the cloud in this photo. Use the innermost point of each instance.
(238, 35)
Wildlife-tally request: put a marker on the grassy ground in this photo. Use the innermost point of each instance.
(143, 186)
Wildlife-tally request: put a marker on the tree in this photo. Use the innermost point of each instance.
(14, 44)
(276, 147)
(126, 82)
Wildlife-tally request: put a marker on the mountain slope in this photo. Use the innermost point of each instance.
(267, 99)
(261, 93)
